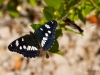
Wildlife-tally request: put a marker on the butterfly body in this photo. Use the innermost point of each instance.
(29, 45)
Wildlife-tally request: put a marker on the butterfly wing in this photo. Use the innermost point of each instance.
(71, 25)
(25, 45)
(29, 45)
(45, 34)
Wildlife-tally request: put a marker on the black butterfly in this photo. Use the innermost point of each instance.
(70, 24)
(29, 45)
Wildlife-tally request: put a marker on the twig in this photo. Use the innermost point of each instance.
(71, 9)
(94, 4)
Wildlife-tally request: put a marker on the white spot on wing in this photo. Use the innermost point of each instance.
(52, 22)
(20, 47)
(44, 38)
(33, 48)
(47, 26)
(49, 31)
(43, 41)
(22, 39)
(46, 34)
(24, 46)
(29, 48)
(11, 45)
(41, 29)
(17, 43)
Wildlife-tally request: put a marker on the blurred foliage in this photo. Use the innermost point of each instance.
(33, 2)
(54, 9)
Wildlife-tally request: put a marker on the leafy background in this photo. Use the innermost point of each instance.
(16, 16)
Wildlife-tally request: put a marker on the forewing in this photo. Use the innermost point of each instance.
(45, 34)
(25, 46)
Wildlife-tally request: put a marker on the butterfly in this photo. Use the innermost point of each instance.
(30, 45)
(71, 25)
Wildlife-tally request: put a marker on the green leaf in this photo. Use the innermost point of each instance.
(11, 7)
(14, 13)
(1, 12)
(70, 4)
(49, 13)
(97, 3)
(81, 11)
(53, 3)
(98, 11)
(73, 15)
(1, 1)
(58, 33)
(73, 31)
(60, 11)
(33, 2)
(60, 53)
(61, 8)
(65, 7)
(80, 15)
(54, 48)
(35, 26)
(88, 7)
